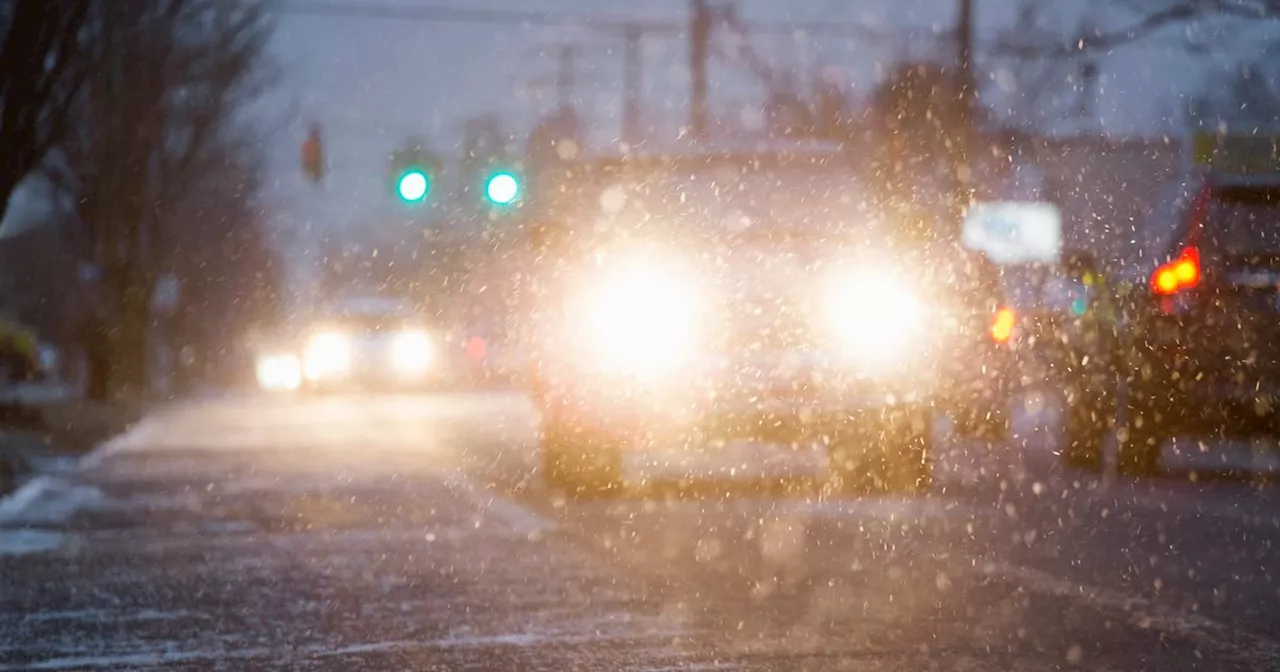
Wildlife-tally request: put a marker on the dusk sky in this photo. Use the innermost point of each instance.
(373, 82)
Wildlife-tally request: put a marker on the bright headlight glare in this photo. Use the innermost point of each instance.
(327, 353)
(875, 315)
(412, 351)
(641, 319)
(279, 372)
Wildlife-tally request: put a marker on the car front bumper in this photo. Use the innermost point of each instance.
(712, 408)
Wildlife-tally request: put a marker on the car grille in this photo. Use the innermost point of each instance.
(768, 324)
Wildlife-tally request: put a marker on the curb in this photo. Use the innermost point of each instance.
(47, 434)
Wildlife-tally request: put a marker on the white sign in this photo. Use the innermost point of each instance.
(1012, 232)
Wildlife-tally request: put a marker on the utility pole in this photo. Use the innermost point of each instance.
(633, 69)
(968, 99)
(700, 22)
(964, 55)
(565, 61)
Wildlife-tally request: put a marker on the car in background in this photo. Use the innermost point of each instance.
(364, 344)
(1201, 353)
(695, 299)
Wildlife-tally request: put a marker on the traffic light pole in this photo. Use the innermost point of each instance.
(968, 133)
(633, 68)
(565, 71)
(964, 61)
(313, 155)
(699, 51)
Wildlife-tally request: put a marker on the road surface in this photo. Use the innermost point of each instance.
(254, 533)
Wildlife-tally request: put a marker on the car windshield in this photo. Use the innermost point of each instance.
(740, 200)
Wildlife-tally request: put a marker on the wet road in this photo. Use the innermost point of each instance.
(413, 533)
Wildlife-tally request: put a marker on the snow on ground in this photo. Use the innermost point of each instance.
(47, 500)
(20, 542)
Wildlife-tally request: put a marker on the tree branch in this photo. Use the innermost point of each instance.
(1149, 23)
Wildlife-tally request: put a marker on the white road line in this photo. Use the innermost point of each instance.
(1209, 635)
(168, 656)
(693, 667)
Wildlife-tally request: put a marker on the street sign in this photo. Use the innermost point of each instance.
(1014, 232)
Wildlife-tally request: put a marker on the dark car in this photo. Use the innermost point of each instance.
(1201, 350)
(687, 299)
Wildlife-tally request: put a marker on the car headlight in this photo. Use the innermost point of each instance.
(279, 372)
(412, 352)
(640, 319)
(876, 316)
(327, 353)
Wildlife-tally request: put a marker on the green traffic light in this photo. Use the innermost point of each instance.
(502, 188)
(413, 185)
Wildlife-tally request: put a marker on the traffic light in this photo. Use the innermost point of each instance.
(313, 155)
(414, 173)
(413, 185)
(503, 188)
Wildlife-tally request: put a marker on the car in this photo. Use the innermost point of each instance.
(693, 298)
(1201, 339)
(366, 345)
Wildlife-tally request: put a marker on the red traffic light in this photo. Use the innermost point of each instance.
(313, 155)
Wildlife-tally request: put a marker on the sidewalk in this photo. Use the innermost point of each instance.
(35, 394)
(49, 430)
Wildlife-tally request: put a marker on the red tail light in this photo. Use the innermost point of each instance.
(1177, 275)
(1002, 324)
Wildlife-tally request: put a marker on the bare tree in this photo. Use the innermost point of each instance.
(41, 71)
(1047, 59)
(910, 121)
(225, 260)
(161, 113)
(1136, 20)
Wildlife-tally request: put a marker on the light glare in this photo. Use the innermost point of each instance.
(503, 188)
(642, 320)
(279, 373)
(413, 186)
(412, 352)
(875, 315)
(327, 353)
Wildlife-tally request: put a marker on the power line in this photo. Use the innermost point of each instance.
(348, 9)
(476, 15)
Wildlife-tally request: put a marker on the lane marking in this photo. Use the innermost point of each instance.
(103, 615)
(167, 656)
(1210, 635)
